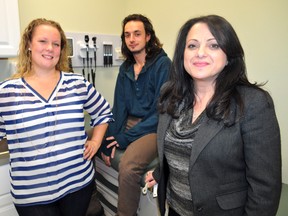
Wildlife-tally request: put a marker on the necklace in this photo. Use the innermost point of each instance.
(196, 116)
(51, 116)
(136, 75)
(138, 69)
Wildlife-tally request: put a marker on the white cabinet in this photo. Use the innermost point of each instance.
(10, 28)
(7, 207)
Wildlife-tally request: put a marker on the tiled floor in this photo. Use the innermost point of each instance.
(283, 207)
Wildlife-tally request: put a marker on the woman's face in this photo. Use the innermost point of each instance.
(203, 58)
(45, 47)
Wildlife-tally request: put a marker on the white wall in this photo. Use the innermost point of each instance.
(74, 15)
(261, 26)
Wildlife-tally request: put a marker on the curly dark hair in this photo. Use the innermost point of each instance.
(153, 46)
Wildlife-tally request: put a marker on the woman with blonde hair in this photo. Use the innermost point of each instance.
(42, 117)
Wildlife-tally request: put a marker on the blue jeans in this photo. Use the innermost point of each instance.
(75, 204)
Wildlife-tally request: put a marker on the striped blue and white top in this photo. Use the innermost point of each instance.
(46, 137)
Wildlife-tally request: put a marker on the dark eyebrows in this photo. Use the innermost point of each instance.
(212, 39)
(136, 31)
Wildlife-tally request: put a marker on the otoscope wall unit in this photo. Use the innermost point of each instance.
(90, 50)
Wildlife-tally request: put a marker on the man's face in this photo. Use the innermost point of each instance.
(135, 36)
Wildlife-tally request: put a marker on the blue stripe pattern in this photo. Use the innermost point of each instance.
(46, 138)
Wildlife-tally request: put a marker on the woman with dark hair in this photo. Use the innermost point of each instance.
(218, 135)
(138, 84)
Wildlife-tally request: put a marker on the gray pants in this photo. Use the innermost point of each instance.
(138, 155)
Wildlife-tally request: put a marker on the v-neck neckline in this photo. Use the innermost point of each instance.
(37, 94)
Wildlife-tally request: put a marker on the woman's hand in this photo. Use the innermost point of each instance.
(91, 147)
(149, 179)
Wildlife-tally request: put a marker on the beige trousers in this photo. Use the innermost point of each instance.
(138, 155)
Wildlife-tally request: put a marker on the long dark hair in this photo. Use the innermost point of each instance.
(153, 46)
(180, 85)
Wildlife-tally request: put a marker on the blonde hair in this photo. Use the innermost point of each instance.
(24, 64)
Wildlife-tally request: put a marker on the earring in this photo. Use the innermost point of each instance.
(29, 49)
